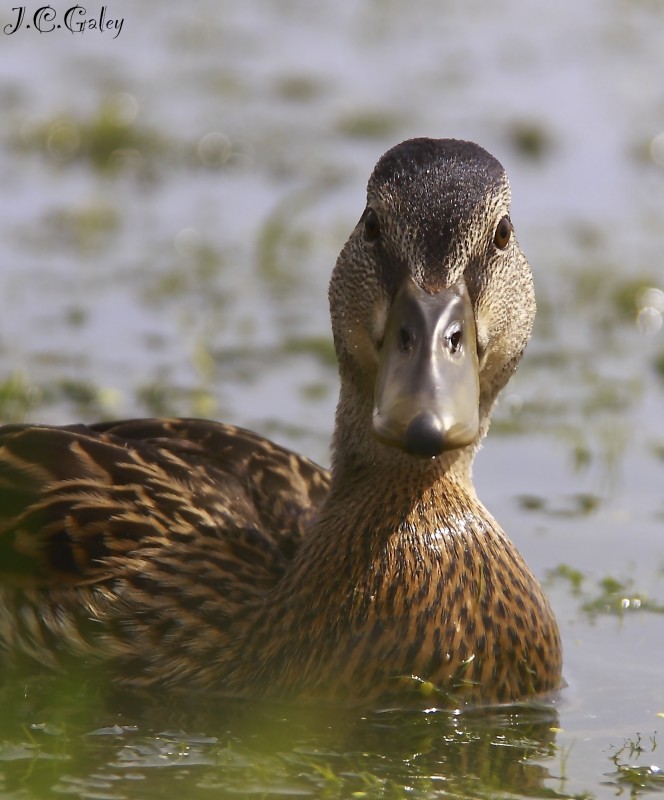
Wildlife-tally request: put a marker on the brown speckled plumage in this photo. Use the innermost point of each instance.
(193, 554)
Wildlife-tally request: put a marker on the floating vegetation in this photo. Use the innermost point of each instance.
(637, 778)
(162, 399)
(618, 597)
(658, 364)
(76, 317)
(18, 396)
(85, 399)
(609, 595)
(575, 505)
(109, 139)
(631, 297)
(283, 247)
(366, 124)
(321, 347)
(158, 398)
(531, 139)
(298, 88)
(193, 270)
(112, 140)
(249, 749)
(315, 390)
(574, 577)
(86, 228)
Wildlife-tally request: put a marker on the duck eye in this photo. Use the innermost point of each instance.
(371, 225)
(503, 233)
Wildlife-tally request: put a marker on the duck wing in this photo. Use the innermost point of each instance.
(82, 505)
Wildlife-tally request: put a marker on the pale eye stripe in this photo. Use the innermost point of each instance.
(379, 320)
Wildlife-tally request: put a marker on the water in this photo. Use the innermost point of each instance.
(173, 202)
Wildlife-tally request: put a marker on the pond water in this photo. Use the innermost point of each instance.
(173, 200)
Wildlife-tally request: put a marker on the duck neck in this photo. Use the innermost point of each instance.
(380, 549)
(403, 573)
(380, 503)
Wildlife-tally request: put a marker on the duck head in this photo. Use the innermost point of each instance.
(431, 302)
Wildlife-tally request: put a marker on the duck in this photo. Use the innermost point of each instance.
(193, 555)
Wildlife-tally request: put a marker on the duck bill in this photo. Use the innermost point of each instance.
(426, 399)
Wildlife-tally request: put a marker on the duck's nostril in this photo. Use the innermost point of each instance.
(406, 339)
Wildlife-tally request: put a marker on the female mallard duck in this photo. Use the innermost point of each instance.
(184, 552)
